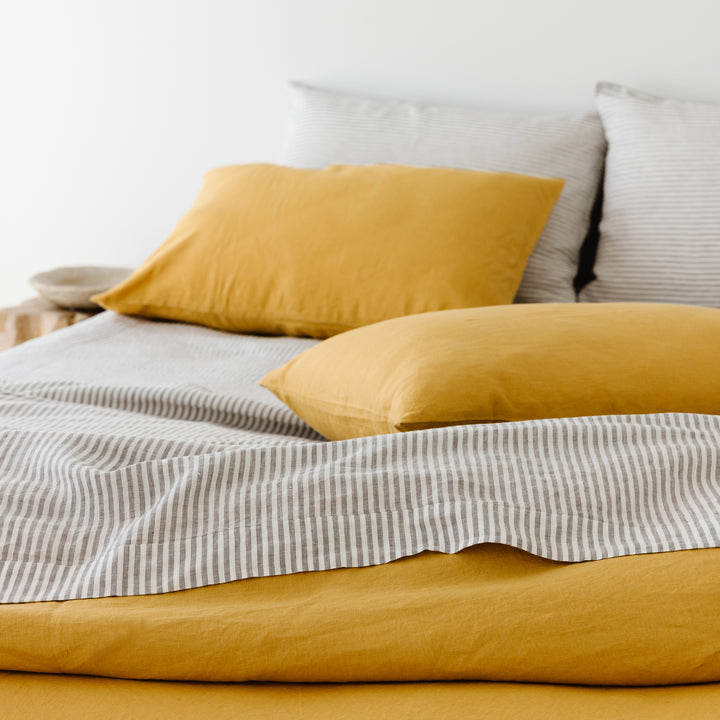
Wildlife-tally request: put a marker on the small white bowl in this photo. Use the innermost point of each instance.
(72, 287)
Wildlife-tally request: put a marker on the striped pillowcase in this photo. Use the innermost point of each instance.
(329, 128)
(660, 228)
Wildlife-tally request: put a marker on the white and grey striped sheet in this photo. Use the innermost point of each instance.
(660, 227)
(119, 488)
(327, 128)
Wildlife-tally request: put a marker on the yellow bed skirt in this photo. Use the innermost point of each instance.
(489, 613)
(67, 697)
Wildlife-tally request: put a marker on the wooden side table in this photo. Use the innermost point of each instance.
(34, 318)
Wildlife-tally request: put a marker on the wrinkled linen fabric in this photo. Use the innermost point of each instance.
(139, 457)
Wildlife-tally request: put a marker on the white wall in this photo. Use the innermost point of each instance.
(111, 110)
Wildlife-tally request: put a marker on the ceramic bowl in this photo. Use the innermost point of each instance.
(72, 287)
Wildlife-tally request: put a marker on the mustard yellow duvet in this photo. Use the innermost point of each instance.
(490, 613)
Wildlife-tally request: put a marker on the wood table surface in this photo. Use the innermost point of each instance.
(34, 318)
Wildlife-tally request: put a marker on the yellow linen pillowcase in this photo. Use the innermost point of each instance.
(506, 363)
(279, 250)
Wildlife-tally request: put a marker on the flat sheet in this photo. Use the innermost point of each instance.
(140, 457)
(57, 697)
(489, 612)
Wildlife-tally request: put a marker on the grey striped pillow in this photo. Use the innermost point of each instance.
(660, 228)
(328, 128)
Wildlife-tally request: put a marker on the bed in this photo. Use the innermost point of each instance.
(178, 541)
(442, 629)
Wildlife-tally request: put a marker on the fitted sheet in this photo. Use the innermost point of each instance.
(61, 697)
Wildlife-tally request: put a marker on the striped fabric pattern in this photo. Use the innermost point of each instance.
(329, 128)
(660, 228)
(111, 489)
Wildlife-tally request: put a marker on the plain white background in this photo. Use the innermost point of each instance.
(111, 110)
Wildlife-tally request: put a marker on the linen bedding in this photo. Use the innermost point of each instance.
(60, 696)
(140, 457)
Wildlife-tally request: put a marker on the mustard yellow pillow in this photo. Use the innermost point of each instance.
(515, 362)
(271, 249)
